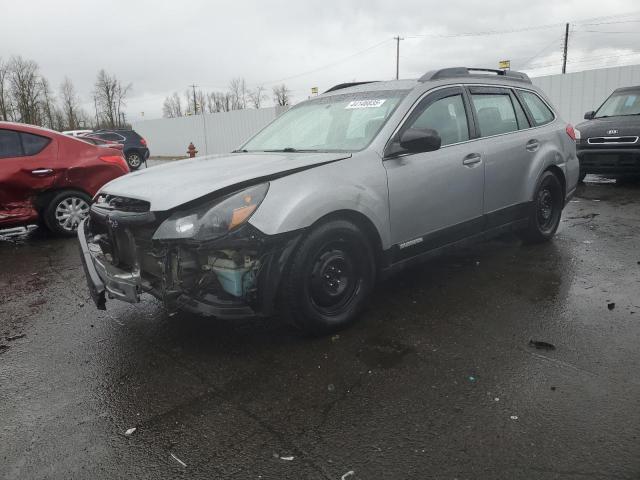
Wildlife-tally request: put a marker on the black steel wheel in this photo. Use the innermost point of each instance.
(329, 278)
(546, 210)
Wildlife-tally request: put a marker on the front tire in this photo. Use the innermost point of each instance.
(546, 210)
(134, 159)
(329, 278)
(65, 211)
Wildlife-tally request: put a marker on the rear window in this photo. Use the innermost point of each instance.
(33, 144)
(10, 145)
(495, 113)
(539, 111)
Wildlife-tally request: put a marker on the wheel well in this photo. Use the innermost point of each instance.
(557, 171)
(363, 222)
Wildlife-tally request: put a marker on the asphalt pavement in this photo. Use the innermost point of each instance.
(501, 361)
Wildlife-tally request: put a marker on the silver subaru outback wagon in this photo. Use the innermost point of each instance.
(336, 193)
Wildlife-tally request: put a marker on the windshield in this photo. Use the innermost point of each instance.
(623, 103)
(346, 122)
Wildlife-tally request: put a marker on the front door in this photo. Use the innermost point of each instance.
(436, 197)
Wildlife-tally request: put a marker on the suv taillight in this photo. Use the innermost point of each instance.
(116, 160)
(571, 132)
(143, 141)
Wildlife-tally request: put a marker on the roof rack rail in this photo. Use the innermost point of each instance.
(471, 72)
(340, 86)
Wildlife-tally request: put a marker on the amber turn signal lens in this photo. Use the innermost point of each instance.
(239, 215)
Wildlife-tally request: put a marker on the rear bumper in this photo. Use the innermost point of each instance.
(614, 161)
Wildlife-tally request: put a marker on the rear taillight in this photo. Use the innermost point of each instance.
(143, 141)
(571, 132)
(116, 160)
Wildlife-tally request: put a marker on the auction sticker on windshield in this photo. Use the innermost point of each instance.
(365, 103)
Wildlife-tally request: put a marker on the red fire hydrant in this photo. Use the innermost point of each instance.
(191, 150)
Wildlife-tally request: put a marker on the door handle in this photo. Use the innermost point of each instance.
(532, 145)
(471, 159)
(42, 171)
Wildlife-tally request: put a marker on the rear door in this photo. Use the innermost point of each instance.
(503, 128)
(27, 166)
(435, 197)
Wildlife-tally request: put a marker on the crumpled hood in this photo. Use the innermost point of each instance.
(599, 127)
(177, 182)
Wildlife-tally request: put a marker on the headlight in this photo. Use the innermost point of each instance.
(213, 219)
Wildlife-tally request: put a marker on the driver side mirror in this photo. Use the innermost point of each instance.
(420, 140)
(589, 115)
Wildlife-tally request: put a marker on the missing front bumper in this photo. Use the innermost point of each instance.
(104, 279)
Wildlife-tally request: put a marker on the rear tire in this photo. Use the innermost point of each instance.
(65, 211)
(134, 159)
(329, 278)
(546, 210)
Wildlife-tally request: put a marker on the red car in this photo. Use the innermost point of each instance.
(50, 178)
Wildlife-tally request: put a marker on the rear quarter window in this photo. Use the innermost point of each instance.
(539, 111)
(33, 144)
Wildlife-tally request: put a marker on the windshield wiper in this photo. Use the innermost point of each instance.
(239, 150)
(290, 150)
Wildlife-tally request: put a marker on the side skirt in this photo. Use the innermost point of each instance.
(398, 260)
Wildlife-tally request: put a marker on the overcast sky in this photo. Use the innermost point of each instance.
(163, 46)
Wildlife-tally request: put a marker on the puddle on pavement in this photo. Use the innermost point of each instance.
(383, 353)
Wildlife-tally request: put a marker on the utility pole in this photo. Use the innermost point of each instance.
(397, 39)
(95, 104)
(195, 105)
(566, 46)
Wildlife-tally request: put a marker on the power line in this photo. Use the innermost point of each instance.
(540, 52)
(327, 65)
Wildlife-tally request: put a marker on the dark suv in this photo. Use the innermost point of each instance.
(135, 147)
(608, 143)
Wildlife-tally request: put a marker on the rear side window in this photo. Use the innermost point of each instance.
(495, 113)
(10, 145)
(112, 136)
(446, 116)
(33, 144)
(539, 111)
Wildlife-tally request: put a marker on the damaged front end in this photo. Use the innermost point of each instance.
(203, 258)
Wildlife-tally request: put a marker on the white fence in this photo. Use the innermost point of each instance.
(573, 94)
(210, 133)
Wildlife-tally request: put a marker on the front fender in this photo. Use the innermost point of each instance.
(299, 200)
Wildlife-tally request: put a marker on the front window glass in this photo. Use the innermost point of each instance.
(446, 116)
(346, 122)
(623, 103)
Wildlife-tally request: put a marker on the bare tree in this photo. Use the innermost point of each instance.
(110, 95)
(201, 101)
(172, 106)
(26, 89)
(70, 104)
(257, 96)
(47, 115)
(238, 92)
(281, 95)
(6, 108)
